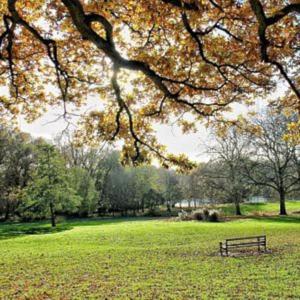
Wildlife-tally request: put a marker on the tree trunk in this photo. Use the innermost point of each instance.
(7, 210)
(103, 192)
(282, 203)
(99, 210)
(143, 205)
(52, 212)
(168, 207)
(238, 208)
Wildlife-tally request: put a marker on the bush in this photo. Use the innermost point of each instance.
(205, 214)
(213, 216)
(184, 216)
(153, 212)
(197, 215)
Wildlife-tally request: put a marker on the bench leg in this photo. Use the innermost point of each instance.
(221, 249)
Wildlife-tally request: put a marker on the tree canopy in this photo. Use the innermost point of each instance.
(146, 61)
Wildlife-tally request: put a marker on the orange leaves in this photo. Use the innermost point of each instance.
(168, 66)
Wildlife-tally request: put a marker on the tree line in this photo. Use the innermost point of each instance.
(41, 180)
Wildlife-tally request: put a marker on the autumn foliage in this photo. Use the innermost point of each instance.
(145, 62)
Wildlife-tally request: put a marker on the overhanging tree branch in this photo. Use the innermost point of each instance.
(263, 23)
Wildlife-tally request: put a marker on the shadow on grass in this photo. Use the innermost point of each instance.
(13, 230)
(108, 220)
(9, 231)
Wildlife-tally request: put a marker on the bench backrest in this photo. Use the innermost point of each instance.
(259, 238)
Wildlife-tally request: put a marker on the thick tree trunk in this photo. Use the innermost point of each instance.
(238, 208)
(282, 203)
(52, 212)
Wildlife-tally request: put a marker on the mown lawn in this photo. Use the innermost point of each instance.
(148, 259)
(261, 208)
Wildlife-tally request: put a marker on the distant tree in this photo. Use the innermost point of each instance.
(274, 161)
(190, 187)
(119, 195)
(225, 173)
(105, 167)
(145, 178)
(49, 190)
(152, 199)
(84, 184)
(87, 158)
(170, 188)
(16, 161)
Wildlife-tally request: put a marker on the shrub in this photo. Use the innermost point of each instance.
(152, 212)
(197, 215)
(205, 214)
(184, 216)
(213, 216)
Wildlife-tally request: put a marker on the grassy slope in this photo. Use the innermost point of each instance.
(148, 259)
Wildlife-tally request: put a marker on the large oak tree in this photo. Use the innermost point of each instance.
(147, 61)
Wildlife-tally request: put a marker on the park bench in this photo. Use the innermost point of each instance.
(259, 242)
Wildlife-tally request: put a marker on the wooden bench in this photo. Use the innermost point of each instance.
(251, 241)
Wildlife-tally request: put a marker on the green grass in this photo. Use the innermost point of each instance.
(261, 208)
(147, 259)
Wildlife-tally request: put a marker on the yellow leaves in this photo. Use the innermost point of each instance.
(182, 163)
(187, 126)
(14, 109)
(99, 29)
(293, 133)
(152, 32)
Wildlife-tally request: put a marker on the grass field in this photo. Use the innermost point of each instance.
(148, 259)
(261, 209)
